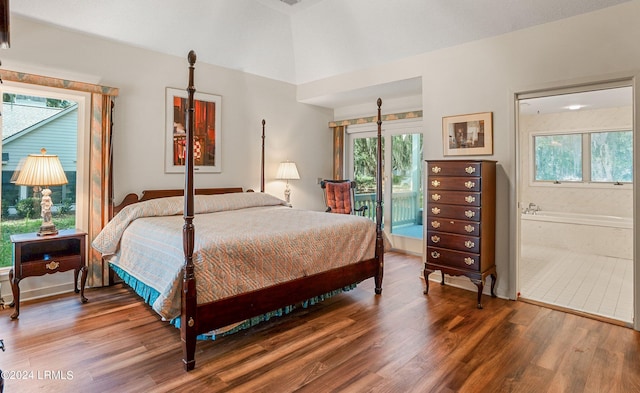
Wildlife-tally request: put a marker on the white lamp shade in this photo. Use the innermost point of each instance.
(288, 171)
(41, 170)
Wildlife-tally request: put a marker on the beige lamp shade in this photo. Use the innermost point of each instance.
(41, 170)
(288, 171)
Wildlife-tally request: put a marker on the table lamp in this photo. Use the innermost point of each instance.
(43, 170)
(287, 171)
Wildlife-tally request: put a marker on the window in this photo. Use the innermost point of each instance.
(612, 157)
(590, 157)
(32, 119)
(558, 157)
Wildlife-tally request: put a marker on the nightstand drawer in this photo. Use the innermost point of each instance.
(53, 265)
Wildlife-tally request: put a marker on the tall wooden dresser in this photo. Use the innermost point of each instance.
(461, 220)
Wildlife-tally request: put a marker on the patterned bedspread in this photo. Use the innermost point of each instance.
(243, 242)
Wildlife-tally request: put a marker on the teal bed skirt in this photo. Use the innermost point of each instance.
(149, 295)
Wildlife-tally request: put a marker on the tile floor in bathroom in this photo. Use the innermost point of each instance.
(594, 284)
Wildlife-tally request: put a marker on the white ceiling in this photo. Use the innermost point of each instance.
(310, 40)
(586, 100)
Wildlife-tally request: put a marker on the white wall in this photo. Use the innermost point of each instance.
(484, 75)
(294, 131)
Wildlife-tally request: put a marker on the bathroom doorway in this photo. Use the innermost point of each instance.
(575, 195)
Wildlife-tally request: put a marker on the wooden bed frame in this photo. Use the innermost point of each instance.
(201, 318)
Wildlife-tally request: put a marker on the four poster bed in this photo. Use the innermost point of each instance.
(253, 255)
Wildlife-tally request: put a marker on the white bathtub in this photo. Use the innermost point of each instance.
(594, 234)
(580, 219)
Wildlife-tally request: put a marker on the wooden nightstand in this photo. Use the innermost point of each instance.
(35, 255)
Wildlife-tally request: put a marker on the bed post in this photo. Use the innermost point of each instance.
(262, 163)
(188, 320)
(379, 235)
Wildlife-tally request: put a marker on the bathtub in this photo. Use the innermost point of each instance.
(580, 219)
(610, 236)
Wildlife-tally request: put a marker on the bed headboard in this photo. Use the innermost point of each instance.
(153, 194)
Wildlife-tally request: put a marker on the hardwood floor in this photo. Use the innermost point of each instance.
(401, 341)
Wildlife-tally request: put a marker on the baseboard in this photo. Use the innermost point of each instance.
(461, 282)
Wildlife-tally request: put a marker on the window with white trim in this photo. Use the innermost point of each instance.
(584, 157)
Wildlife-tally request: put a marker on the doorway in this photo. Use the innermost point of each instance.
(402, 178)
(575, 195)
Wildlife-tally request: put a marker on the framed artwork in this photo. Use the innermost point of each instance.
(206, 135)
(468, 135)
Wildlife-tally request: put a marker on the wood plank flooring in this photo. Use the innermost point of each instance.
(401, 341)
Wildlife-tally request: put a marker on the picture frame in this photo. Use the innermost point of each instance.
(207, 133)
(468, 135)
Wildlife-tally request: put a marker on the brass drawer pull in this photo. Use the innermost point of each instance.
(469, 228)
(435, 224)
(435, 210)
(469, 244)
(435, 254)
(435, 183)
(470, 169)
(469, 184)
(470, 198)
(436, 197)
(435, 238)
(469, 213)
(469, 261)
(53, 265)
(436, 169)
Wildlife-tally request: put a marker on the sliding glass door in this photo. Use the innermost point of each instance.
(402, 180)
(406, 185)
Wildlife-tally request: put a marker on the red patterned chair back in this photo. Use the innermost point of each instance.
(339, 196)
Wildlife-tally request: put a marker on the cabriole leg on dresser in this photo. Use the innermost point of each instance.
(426, 279)
(480, 285)
(493, 284)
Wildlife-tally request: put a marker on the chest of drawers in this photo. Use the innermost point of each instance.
(460, 228)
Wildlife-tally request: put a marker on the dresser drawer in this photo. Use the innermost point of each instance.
(453, 226)
(53, 265)
(453, 211)
(454, 197)
(454, 183)
(456, 259)
(454, 168)
(455, 242)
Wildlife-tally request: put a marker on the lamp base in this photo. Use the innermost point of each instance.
(48, 227)
(47, 230)
(287, 193)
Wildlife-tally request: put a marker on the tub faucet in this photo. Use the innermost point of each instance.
(532, 209)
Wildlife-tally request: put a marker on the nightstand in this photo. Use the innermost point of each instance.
(35, 255)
